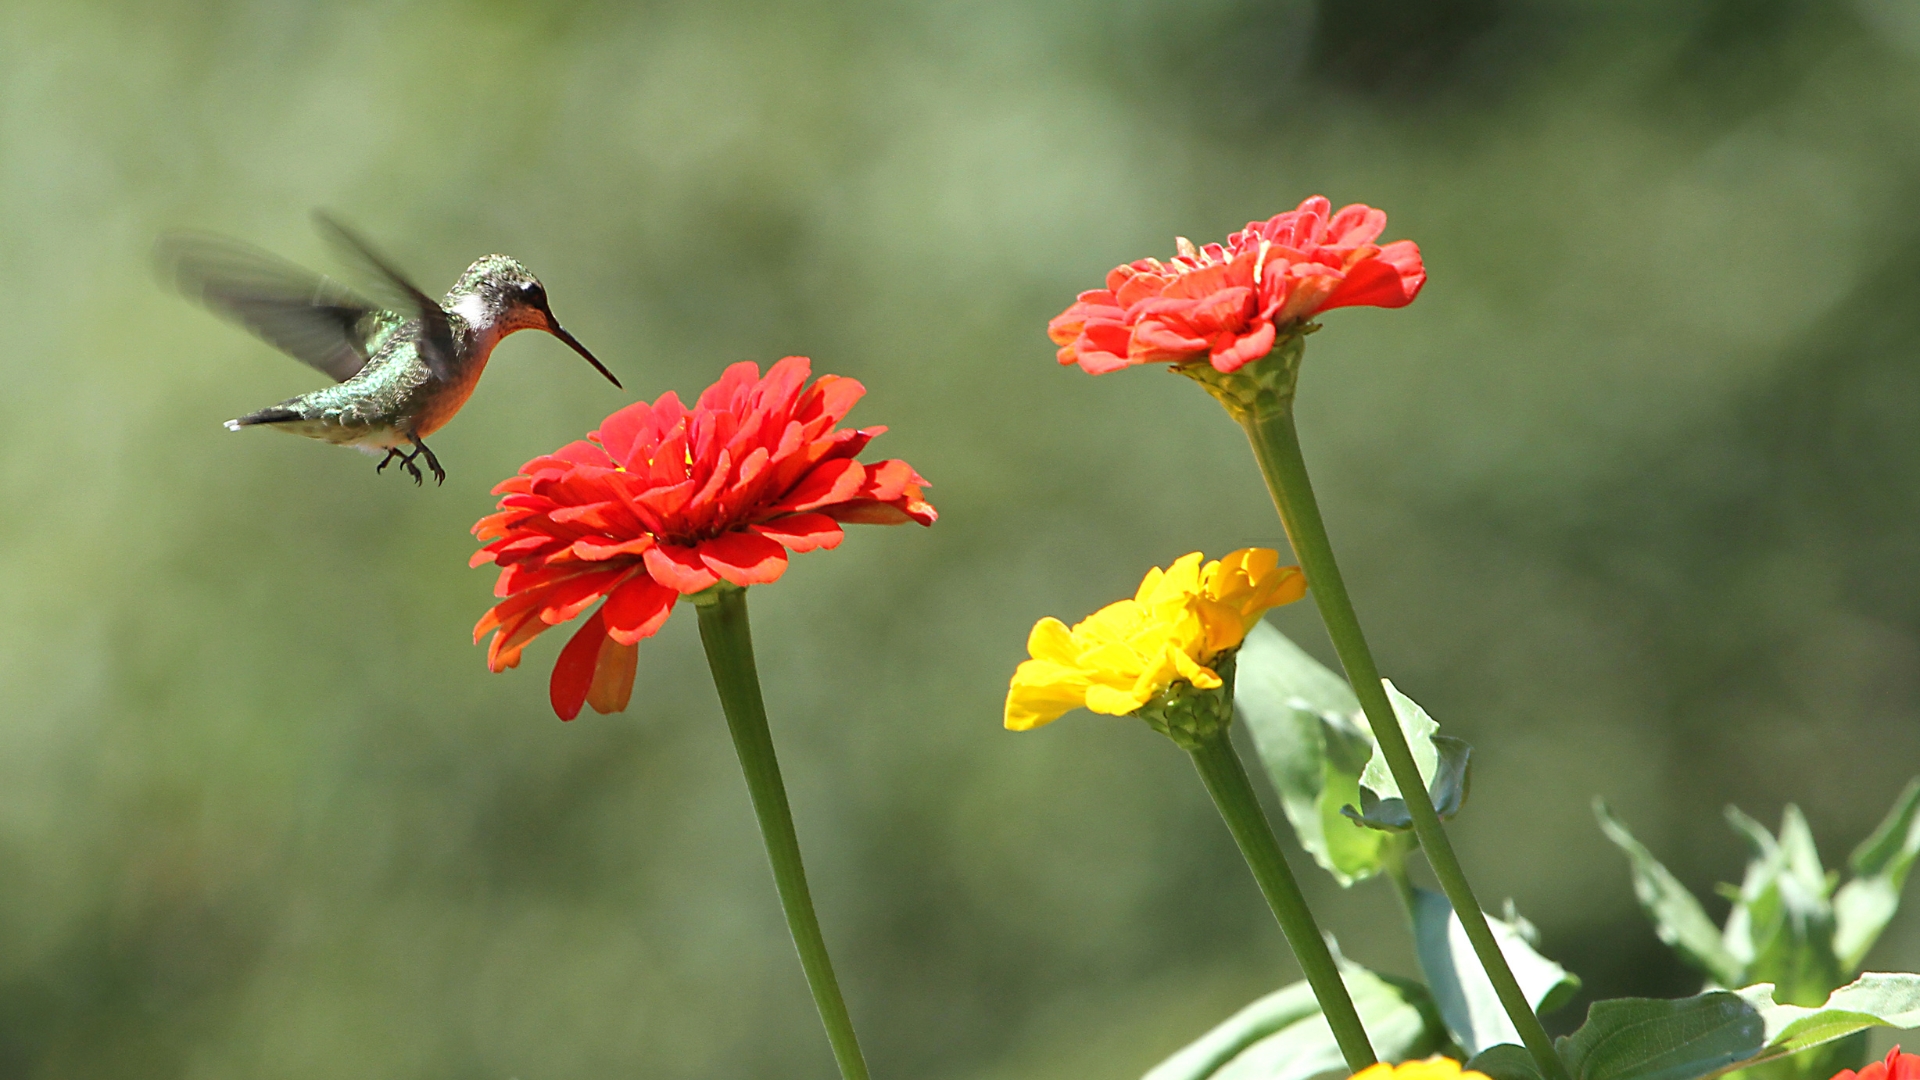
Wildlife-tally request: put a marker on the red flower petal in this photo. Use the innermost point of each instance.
(679, 568)
(595, 549)
(1230, 302)
(576, 594)
(869, 512)
(664, 501)
(744, 558)
(573, 672)
(1229, 353)
(581, 452)
(1382, 283)
(637, 609)
(834, 481)
(619, 432)
(503, 651)
(613, 677)
(803, 532)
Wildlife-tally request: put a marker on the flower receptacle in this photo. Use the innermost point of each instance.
(1261, 388)
(1190, 715)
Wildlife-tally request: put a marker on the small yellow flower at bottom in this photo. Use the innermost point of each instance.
(1434, 1068)
(1176, 629)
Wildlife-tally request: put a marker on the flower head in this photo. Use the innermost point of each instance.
(1175, 629)
(665, 501)
(1433, 1068)
(1896, 1066)
(1229, 302)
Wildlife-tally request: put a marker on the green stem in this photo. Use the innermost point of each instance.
(729, 644)
(1277, 446)
(1226, 780)
(1396, 868)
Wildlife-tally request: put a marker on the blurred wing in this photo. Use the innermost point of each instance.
(309, 317)
(436, 334)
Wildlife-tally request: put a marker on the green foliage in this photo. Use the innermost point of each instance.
(1443, 762)
(1788, 926)
(1712, 1033)
(1508, 1061)
(1459, 985)
(1305, 727)
(1310, 735)
(1862, 907)
(1283, 1037)
(1448, 778)
(1677, 916)
(1650, 1039)
(1781, 927)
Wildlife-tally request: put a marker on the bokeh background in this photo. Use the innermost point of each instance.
(1630, 499)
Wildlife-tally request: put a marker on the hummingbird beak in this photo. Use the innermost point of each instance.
(553, 327)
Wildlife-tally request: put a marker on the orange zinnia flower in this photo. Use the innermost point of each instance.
(665, 501)
(1230, 302)
(1897, 1066)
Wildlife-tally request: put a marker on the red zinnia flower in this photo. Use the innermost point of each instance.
(664, 501)
(1229, 303)
(1897, 1066)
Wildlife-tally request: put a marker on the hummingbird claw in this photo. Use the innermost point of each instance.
(407, 463)
(433, 463)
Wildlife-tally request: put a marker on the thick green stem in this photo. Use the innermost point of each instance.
(1277, 447)
(1226, 780)
(729, 643)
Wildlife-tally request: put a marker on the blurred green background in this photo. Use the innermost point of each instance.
(1630, 499)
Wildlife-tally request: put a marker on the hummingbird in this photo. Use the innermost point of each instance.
(403, 368)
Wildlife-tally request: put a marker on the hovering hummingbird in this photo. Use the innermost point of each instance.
(403, 369)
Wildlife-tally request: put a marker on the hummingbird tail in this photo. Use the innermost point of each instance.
(264, 416)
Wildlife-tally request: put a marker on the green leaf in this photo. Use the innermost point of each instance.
(1445, 764)
(1301, 717)
(1677, 916)
(1873, 1000)
(1420, 730)
(1719, 1031)
(1863, 907)
(1460, 988)
(1283, 1037)
(1802, 859)
(1506, 1061)
(1861, 910)
(1452, 777)
(1781, 928)
(1653, 1039)
(1891, 848)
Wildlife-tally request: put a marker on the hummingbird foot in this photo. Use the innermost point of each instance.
(433, 463)
(406, 462)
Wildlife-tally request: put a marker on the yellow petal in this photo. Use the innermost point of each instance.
(1117, 659)
(1149, 586)
(1181, 580)
(1051, 640)
(1113, 701)
(1203, 677)
(1041, 692)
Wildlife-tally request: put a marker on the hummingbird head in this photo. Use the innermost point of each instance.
(497, 296)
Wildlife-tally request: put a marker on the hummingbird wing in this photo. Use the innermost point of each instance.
(312, 318)
(436, 332)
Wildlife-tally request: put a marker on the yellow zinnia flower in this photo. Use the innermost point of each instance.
(1175, 629)
(1434, 1068)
